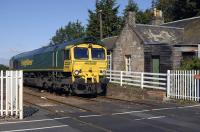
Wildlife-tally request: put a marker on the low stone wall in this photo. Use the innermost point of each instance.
(134, 93)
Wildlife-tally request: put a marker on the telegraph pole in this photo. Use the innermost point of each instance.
(100, 19)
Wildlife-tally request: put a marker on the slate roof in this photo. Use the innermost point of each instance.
(152, 34)
(110, 42)
(191, 29)
(182, 23)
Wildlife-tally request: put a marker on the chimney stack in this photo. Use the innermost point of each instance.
(157, 17)
(130, 19)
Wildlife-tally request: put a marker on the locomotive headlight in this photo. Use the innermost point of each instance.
(76, 72)
(103, 72)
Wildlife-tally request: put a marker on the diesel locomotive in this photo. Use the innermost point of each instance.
(77, 67)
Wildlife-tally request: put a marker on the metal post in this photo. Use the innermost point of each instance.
(100, 19)
(168, 83)
(142, 80)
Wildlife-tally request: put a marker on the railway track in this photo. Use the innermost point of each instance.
(51, 111)
(61, 102)
(106, 98)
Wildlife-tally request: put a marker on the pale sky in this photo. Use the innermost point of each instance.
(29, 24)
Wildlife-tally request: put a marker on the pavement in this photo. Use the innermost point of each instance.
(136, 117)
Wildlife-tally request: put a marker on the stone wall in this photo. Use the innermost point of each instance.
(128, 43)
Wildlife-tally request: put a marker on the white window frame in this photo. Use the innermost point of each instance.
(128, 63)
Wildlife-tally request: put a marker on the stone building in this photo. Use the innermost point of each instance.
(153, 48)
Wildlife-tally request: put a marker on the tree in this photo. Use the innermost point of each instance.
(132, 6)
(3, 67)
(178, 9)
(72, 30)
(143, 17)
(110, 21)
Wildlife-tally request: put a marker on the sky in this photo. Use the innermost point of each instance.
(29, 24)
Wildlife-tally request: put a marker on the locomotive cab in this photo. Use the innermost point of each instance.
(87, 64)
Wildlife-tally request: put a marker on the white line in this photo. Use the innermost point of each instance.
(150, 118)
(89, 116)
(139, 119)
(156, 117)
(34, 120)
(159, 109)
(129, 112)
(32, 129)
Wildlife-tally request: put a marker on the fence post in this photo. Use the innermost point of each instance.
(6, 103)
(121, 78)
(142, 80)
(1, 93)
(168, 83)
(21, 95)
(110, 75)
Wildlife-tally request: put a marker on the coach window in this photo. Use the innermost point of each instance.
(66, 55)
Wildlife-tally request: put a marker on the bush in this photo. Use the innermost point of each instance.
(190, 64)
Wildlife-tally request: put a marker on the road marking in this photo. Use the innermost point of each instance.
(150, 118)
(139, 119)
(129, 112)
(156, 117)
(90, 116)
(32, 129)
(158, 109)
(34, 120)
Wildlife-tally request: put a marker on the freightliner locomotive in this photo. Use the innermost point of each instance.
(77, 67)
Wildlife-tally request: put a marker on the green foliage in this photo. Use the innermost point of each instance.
(190, 64)
(3, 67)
(110, 21)
(132, 6)
(143, 17)
(178, 9)
(72, 30)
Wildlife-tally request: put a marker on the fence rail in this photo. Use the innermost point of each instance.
(140, 79)
(11, 93)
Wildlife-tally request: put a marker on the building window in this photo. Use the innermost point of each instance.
(188, 55)
(128, 62)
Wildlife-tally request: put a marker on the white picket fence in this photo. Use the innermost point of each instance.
(11, 94)
(183, 85)
(140, 79)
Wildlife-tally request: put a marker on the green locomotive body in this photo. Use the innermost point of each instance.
(74, 67)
